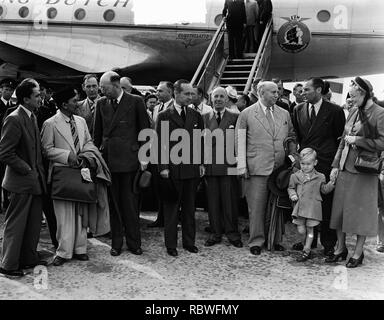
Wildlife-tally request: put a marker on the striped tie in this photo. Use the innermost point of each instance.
(92, 106)
(74, 134)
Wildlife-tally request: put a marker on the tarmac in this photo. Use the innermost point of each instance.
(221, 272)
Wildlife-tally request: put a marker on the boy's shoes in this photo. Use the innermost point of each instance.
(59, 261)
(300, 247)
(304, 256)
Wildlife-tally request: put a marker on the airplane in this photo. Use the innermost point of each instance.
(151, 40)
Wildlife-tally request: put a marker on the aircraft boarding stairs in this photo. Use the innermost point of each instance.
(216, 69)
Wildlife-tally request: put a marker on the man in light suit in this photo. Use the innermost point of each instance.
(262, 130)
(184, 176)
(222, 185)
(20, 151)
(119, 118)
(165, 95)
(63, 137)
(86, 107)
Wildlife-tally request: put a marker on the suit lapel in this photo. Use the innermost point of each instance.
(278, 117)
(80, 132)
(320, 118)
(65, 130)
(176, 117)
(27, 123)
(212, 124)
(304, 120)
(224, 120)
(262, 118)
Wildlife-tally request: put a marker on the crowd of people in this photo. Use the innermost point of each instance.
(77, 162)
(246, 23)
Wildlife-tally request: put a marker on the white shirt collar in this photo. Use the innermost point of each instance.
(28, 112)
(167, 104)
(265, 109)
(221, 112)
(5, 101)
(120, 96)
(178, 107)
(317, 106)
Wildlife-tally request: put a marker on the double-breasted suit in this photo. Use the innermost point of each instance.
(260, 150)
(57, 141)
(185, 176)
(20, 151)
(116, 135)
(324, 137)
(222, 184)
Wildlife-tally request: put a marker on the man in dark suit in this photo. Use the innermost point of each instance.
(20, 151)
(298, 90)
(185, 175)
(265, 8)
(236, 22)
(319, 124)
(222, 184)
(119, 118)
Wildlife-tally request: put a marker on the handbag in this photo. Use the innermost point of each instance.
(368, 163)
(69, 185)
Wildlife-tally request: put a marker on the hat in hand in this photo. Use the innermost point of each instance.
(142, 180)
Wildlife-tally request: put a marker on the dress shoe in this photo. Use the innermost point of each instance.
(31, 266)
(236, 243)
(278, 247)
(304, 256)
(12, 273)
(300, 247)
(137, 251)
(89, 235)
(115, 252)
(328, 251)
(353, 263)
(192, 249)
(337, 257)
(156, 224)
(256, 250)
(211, 242)
(59, 261)
(172, 252)
(380, 248)
(81, 257)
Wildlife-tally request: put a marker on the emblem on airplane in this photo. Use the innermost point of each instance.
(293, 36)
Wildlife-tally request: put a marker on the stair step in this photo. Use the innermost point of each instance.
(245, 66)
(235, 79)
(240, 62)
(236, 72)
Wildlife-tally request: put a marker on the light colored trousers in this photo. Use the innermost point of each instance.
(380, 234)
(71, 235)
(257, 197)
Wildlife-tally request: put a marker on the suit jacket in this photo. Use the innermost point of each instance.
(324, 135)
(227, 127)
(174, 120)
(157, 110)
(258, 149)
(47, 110)
(20, 151)
(265, 10)
(236, 13)
(57, 140)
(373, 145)
(116, 132)
(84, 110)
(6, 111)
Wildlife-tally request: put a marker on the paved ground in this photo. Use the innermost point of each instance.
(218, 272)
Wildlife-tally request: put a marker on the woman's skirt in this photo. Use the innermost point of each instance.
(354, 208)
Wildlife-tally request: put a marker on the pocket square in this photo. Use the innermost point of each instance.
(231, 126)
(195, 125)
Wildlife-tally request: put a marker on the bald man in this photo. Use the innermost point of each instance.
(262, 131)
(222, 186)
(119, 118)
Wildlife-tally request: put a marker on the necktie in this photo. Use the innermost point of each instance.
(92, 106)
(313, 114)
(8, 104)
(183, 114)
(270, 119)
(161, 107)
(197, 109)
(74, 134)
(114, 104)
(218, 118)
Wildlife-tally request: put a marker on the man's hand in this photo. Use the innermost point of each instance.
(243, 173)
(350, 139)
(202, 171)
(72, 159)
(333, 175)
(164, 174)
(294, 198)
(143, 165)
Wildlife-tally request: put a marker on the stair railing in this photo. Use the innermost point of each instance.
(213, 62)
(262, 59)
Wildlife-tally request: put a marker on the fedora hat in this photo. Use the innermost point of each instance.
(142, 180)
(278, 181)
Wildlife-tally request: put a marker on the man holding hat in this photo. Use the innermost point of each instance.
(64, 136)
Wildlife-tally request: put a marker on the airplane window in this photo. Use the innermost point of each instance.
(323, 16)
(218, 19)
(51, 13)
(80, 14)
(23, 12)
(109, 15)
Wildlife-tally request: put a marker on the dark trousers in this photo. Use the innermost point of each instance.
(156, 185)
(124, 211)
(223, 206)
(4, 194)
(22, 231)
(235, 42)
(186, 200)
(49, 213)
